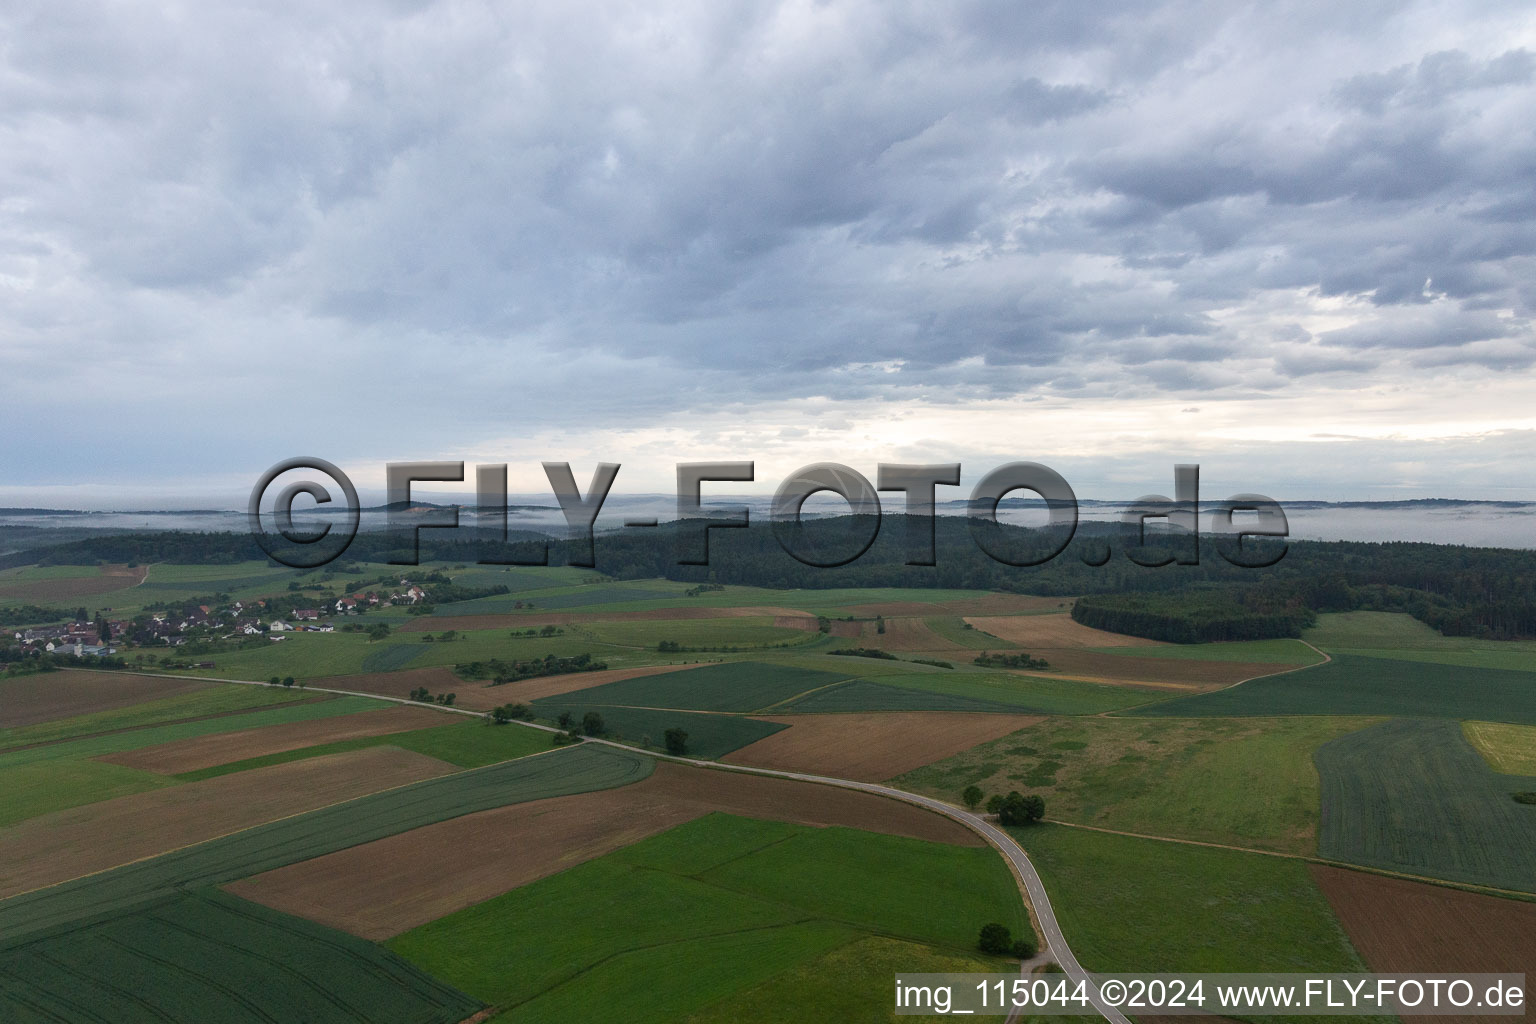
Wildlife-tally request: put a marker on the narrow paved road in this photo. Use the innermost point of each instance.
(1054, 942)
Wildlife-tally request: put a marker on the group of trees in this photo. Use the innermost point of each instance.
(1459, 590)
(424, 696)
(504, 713)
(1011, 810)
(501, 672)
(998, 940)
(1201, 616)
(986, 659)
(865, 652)
(288, 681)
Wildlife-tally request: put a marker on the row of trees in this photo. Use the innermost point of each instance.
(1460, 590)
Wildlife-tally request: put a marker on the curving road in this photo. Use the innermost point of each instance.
(1054, 942)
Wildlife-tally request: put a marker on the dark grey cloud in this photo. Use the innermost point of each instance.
(377, 218)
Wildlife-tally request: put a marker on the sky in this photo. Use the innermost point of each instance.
(1294, 243)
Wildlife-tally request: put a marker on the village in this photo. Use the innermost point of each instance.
(98, 636)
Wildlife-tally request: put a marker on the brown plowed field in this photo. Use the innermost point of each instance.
(872, 747)
(911, 635)
(66, 844)
(553, 686)
(111, 577)
(382, 888)
(440, 679)
(45, 696)
(808, 623)
(1159, 673)
(434, 623)
(1042, 631)
(987, 604)
(1400, 926)
(199, 752)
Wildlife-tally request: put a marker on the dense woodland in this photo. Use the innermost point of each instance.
(1462, 591)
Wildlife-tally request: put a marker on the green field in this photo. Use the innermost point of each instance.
(1356, 685)
(738, 901)
(208, 956)
(851, 984)
(743, 631)
(733, 686)
(964, 691)
(709, 735)
(215, 700)
(1246, 782)
(953, 629)
(578, 769)
(1414, 796)
(1267, 652)
(1141, 905)
(465, 743)
(44, 786)
(1398, 635)
(148, 736)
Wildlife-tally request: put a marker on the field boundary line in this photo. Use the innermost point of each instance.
(1445, 883)
(1262, 675)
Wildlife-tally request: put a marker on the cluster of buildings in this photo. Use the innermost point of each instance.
(174, 628)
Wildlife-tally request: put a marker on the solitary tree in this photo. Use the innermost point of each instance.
(287, 680)
(592, 723)
(677, 741)
(995, 939)
(274, 681)
(972, 797)
(995, 803)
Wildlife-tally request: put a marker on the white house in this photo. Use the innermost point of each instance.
(278, 626)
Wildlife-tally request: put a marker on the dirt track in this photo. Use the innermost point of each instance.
(199, 752)
(65, 844)
(873, 747)
(386, 887)
(45, 696)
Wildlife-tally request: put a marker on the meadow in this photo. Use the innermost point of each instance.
(1414, 796)
(1141, 905)
(738, 900)
(1246, 782)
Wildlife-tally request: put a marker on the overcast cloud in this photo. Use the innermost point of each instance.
(1296, 242)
